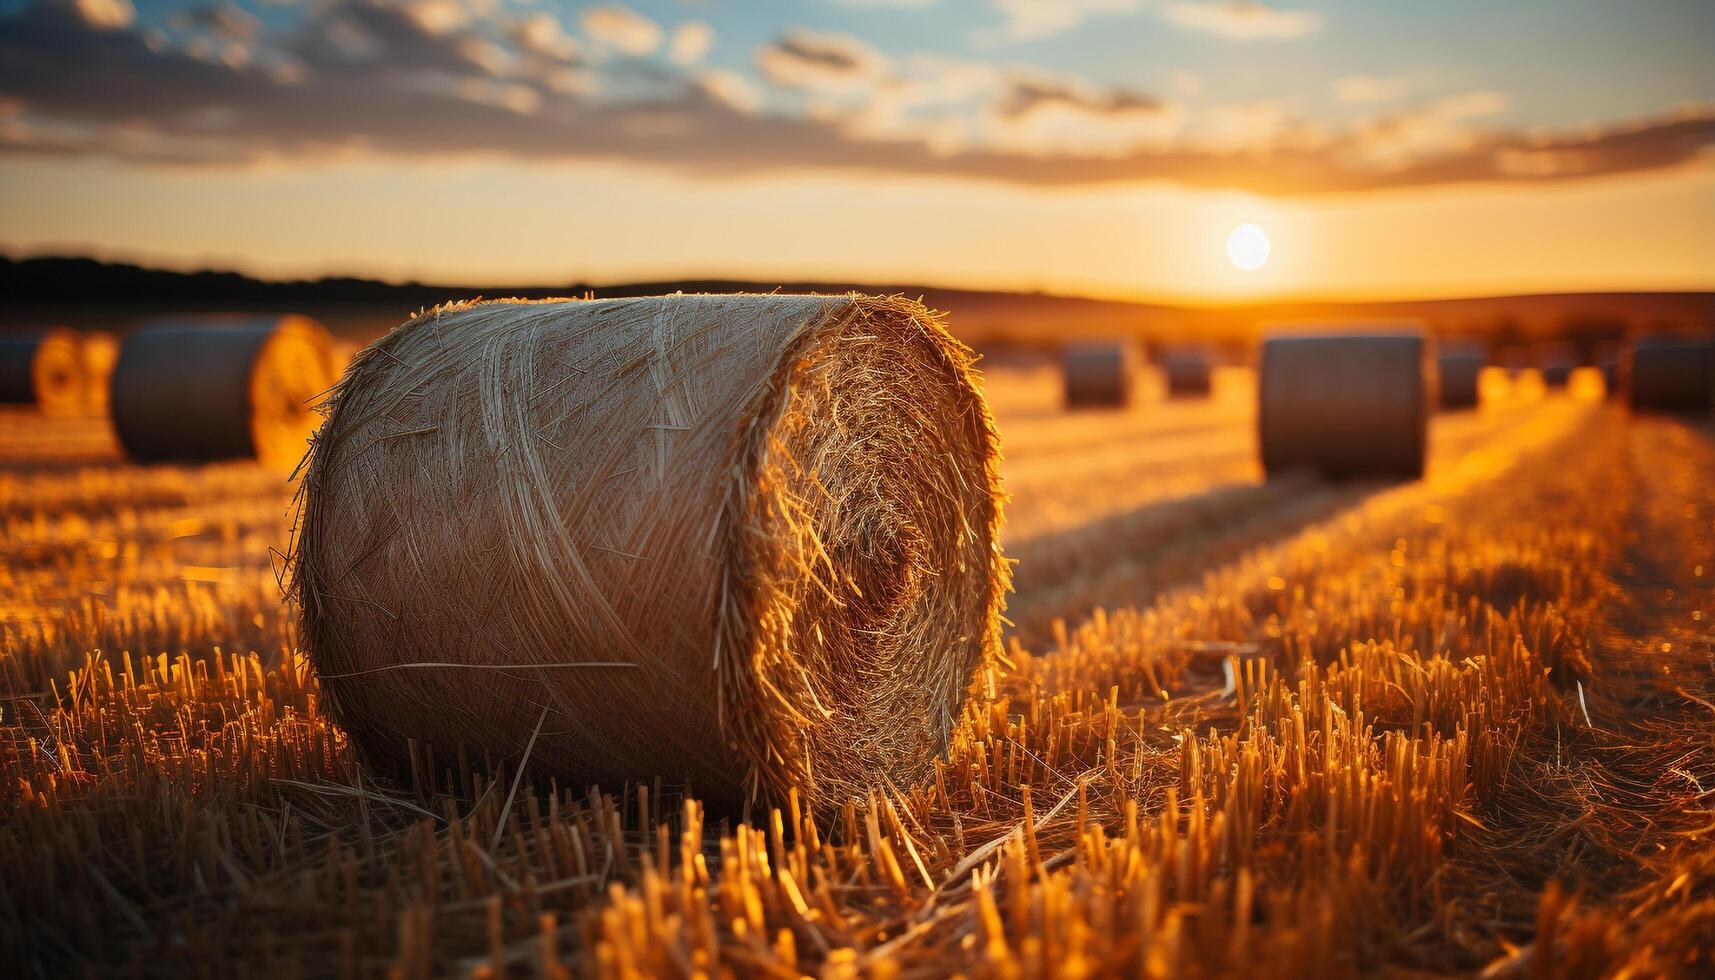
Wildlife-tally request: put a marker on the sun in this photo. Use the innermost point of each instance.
(1247, 247)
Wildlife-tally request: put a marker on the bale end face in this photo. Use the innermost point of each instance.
(44, 369)
(1346, 405)
(746, 542)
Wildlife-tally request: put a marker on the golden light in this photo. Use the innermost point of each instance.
(1247, 247)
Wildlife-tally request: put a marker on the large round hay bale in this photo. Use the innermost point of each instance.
(745, 541)
(1099, 373)
(1188, 371)
(42, 368)
(100, 354)
(1459, 374)
(221, 388)
(1352, 404)
(1670, 373)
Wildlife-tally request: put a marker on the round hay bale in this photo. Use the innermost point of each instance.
(221, 388)
(1670, 373)
(43, 368)
(1556, 362)
(745, 541)
(100, 354)
(1345, 404)
(1460, 371)
(1189, 372)
(1099, 374)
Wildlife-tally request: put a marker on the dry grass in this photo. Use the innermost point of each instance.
(1461, 725)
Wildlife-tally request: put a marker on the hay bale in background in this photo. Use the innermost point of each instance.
(221, 388)
(746, 541)
(1188, 372)
(1345, 404)
(43, 368)
(1099, 373)
(1556, 362)
(1459, 373)
(1670, 373)
(100, 353)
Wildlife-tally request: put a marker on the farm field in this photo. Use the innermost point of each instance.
(1461, 724)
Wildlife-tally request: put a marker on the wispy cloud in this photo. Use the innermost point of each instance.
(1242, 20)
(822, 61)
(423, 79)
(691, 42)
(1026, 20)
(622, 28)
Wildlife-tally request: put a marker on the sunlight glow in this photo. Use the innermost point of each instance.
(1247, 247)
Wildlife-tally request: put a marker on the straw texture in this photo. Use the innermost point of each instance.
(45, 369)
(1099, 374)
(750, 542)
(1670, 373)
(221, 388)
(1345, 404)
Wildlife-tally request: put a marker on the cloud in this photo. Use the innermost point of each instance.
(425, 80)
(227, 20)
(1242, 20)
(1027, 20)
(1360, 89)
(623, 29)
(691, 42)
(822, 61)
(1029, 95)
(541, 35)
(106, 15)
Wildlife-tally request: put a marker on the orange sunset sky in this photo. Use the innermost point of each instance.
(1103, 147)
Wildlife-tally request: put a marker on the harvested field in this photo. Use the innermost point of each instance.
(1454, 725)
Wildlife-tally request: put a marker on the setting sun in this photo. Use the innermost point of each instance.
(1247, 247)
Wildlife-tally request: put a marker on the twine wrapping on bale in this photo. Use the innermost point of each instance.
(1345, 404)
(1460, 371)
(1099, 374)
(1670, 373)
(1189, 372)
(45, 369)
(746, 541)
(221, 388)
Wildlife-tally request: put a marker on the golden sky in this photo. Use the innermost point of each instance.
(1103, 147)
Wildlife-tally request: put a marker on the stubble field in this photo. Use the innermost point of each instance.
(1460, 725)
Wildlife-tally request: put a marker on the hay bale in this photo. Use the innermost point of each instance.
(100, 354)
(1556, 362)
(1345, 404)
(221, 388)
(1670, 373)
(1188, 371)
(1099, 373)
(42, 368)
(745, 541)
(1459, 374)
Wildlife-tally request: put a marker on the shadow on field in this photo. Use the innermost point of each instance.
(1129, 559)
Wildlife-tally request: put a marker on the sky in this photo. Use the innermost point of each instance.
(1104, 147)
